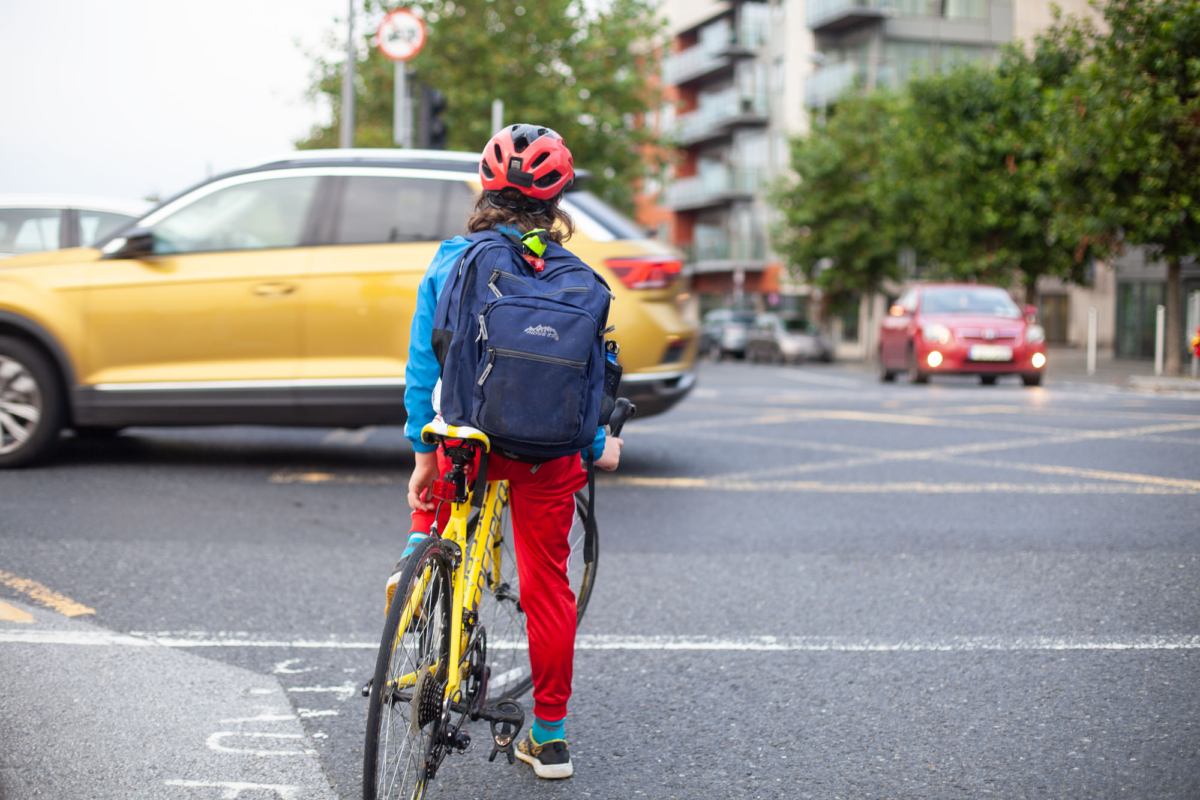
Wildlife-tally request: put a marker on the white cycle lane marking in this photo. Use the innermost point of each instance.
(232, 790)
(215, 742)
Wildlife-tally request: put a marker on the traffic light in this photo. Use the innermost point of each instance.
(431, 129)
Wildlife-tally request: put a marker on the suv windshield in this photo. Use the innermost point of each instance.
(613, 221)
(969, 300)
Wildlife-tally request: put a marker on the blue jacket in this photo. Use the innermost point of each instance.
(422, 371)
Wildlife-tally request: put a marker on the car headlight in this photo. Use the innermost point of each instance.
(1035, 334)
(936, 333)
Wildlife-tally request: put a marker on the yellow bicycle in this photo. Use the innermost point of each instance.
(455, 630)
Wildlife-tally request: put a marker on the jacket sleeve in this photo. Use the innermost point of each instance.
(597, 444)
(421, 372)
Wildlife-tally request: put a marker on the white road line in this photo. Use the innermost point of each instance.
(233, 789)
(214, 743)
(847, 644)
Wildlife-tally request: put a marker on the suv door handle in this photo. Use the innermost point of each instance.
(274, 289)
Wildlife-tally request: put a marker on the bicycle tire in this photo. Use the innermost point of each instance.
(504, 619)
(394, 730)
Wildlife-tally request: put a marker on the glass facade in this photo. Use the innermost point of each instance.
(1136, 307)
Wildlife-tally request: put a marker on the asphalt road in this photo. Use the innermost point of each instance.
(811, 585)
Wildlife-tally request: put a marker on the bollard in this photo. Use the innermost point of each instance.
(1160, 324)
(1193, 325)
(1091, 341)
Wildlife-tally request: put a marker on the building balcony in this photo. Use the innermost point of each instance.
(695, 62)
(824, 86)
(717, 115)
(715, 251)
(720, 42)
(713, 187)
(835, 16)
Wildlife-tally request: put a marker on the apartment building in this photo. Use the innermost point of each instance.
(744, 76)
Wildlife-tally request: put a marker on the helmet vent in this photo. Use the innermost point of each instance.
(548, 179)
(537, 162)
(499, 153)
(520, 142)
(543, 131)
(487, 171)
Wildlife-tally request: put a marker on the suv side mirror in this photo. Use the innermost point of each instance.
(137, 243)
(1031, 314)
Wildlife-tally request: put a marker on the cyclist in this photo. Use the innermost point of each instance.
(542, 494)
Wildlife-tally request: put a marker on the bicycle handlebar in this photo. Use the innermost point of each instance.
(620, 415)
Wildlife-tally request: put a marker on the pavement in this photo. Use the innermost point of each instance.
(811, 585)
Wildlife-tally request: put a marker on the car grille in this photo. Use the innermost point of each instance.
(982, 334)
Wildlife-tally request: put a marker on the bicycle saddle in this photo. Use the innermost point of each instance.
(438, 431)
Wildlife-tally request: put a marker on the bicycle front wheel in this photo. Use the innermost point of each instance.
(501, 612)
(403, 747)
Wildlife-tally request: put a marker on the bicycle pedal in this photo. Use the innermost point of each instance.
(507, 750)
(366, 688)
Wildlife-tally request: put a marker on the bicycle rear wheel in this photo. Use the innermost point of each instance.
(403, 743)
(501, 613)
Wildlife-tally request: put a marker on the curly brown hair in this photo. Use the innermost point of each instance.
(558, 224)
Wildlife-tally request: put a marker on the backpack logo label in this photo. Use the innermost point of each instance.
(542, 330)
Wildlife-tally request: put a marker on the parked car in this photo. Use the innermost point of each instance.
(34, 223)
(775, 340)
(961, 329)
(283, 294)
(723, 333)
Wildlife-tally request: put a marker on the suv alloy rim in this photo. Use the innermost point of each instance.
(20, 404)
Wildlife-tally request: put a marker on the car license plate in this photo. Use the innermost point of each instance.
(990, 352)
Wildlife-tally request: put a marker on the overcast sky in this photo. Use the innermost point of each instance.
(125, 98)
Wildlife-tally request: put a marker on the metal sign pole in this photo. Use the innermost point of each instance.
(402, 108)
(346, 139)
(497, 114)
(1160, 317)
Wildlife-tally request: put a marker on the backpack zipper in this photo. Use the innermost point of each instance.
(497, 274)
(504, 351)
(482, 330)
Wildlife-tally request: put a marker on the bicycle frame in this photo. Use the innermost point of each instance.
(480, 561)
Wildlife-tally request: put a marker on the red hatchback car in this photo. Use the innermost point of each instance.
(961, 329)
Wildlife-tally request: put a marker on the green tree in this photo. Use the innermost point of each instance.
(839, 213)
(585, 73)
(1129, 137)
(974, 159)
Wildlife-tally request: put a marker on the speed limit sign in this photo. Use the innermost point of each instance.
(401, 35)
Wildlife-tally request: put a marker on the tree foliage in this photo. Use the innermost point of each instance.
(839, 222)
(582, 72)
(976, 160)
(1027, 169)
(1129, 137)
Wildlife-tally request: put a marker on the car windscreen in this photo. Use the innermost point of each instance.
(613, 221)
(799, 326)
(969, 300)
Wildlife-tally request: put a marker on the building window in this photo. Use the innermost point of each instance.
(1054, 315)
(955, 55)
(905, 61)
(966, 9)
(1137, 304)
(914, 8)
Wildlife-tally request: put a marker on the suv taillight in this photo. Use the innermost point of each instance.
(645, 273)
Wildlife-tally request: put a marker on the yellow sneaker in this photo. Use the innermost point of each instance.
(550, 760)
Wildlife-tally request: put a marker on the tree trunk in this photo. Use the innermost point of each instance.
(1174, 331)
(867, 337)
(1031, 292)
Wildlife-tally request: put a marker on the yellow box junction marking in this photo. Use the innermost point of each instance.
(13, 614)
(44, 595)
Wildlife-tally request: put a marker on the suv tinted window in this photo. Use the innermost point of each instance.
(29, 230)
(248, 216)
(97, 225)
(376, 210)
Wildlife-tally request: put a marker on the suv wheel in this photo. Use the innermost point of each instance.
(31, 403)
(915, 373)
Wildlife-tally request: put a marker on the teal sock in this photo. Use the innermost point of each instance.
(414, 539)
(543, 731)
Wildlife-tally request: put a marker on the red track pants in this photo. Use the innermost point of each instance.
(543, 508)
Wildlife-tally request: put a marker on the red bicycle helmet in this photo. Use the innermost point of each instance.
(531, 159)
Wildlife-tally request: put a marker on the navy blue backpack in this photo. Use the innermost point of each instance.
(522, 349)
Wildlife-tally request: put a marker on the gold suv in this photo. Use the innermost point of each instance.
(283, 295)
